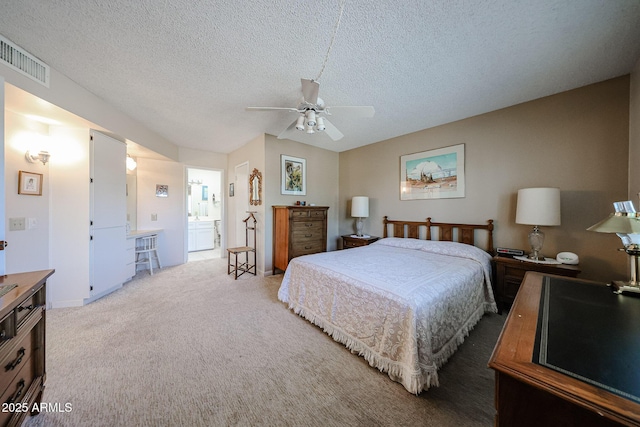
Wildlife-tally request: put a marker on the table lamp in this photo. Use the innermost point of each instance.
(359, 209)
(538, 206)
(624, 223)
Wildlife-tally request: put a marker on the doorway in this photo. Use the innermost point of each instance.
(204, 214)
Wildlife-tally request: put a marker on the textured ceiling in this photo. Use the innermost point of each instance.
(188, 69)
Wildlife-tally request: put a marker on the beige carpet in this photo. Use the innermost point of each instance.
(190, 346)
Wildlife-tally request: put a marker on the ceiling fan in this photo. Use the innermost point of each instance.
(312, 111)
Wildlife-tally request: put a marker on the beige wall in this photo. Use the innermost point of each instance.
(577, 141)
(322, 185)
(634, 136)
(254, 154)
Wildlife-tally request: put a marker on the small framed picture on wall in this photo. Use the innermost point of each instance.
(29, 183)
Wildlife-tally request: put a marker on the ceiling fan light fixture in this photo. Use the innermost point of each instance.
(320, 125)
(300, 123)
(311, 118)
(310, 129)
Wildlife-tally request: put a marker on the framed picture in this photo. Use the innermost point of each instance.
(231, 190)
(433, 174)
(294, 175)
(205, 192)
(162, 190)
(29, 183)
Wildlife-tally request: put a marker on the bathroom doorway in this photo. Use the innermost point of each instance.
(204, 214)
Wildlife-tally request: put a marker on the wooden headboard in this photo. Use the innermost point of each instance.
(465, 233)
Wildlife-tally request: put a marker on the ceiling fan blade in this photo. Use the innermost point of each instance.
(356, 112)
(271, 108)
(287, 131)
(331, 130)
(310, 89)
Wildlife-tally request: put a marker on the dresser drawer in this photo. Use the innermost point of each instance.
(7, 328)
(13, 359)
(299, 228)
(17, 391)
(27, 307)
(306, 214)
(306, 248)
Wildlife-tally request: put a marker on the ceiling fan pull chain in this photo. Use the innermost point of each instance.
(333, 37)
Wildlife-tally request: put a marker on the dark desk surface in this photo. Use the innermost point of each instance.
(590, 333)
(515, 351)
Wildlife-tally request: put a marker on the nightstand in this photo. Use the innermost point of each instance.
(353, 242)
(509, 273)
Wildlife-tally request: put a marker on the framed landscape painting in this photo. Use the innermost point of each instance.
(433, 174)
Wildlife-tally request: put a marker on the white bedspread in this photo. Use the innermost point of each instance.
(403, 304)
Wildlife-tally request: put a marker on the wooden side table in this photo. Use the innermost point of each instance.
(349, 241)
(509, 273)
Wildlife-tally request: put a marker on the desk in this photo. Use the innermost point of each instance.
(529, 394)
(131, 248)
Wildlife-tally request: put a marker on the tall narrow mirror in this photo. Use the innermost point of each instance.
(255, 188)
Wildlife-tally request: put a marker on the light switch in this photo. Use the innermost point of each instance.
(154, 217)
(33, 223)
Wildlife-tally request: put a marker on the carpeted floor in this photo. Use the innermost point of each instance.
(190, 346)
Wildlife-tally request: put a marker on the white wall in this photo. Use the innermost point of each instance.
(70, 215)
(28, 249)
(171, 211)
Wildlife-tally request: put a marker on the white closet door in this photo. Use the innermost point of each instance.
(109, 186)
(108, 214)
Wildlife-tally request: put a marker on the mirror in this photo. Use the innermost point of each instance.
(132, 196)
(255, 188)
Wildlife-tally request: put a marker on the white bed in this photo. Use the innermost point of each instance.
(404, 304)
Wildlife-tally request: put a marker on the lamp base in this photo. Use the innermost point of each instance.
(536, 256)
(359, 227)
(619, 287)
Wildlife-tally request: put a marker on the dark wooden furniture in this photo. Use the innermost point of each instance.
(248, 265)
(462, 233)
(298, 230)
(529, 394)
(349, 241)
(509, 273)
(22, 345)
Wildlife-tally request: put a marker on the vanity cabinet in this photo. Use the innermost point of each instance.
(22, 345)
(298, 230)
(201, 235)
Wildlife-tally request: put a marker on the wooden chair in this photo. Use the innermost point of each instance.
(246, 266)
(147, 251)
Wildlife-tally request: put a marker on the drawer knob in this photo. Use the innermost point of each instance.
(11, 366)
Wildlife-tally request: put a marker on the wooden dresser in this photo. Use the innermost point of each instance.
(22, 345)
(298, 230)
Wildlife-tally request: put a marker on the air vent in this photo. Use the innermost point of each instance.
(23, 62)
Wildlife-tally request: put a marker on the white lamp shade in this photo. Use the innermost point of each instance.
(360, 207)
(538, 206)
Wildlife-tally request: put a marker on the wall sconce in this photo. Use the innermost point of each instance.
(43, 156)
(131, 163)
